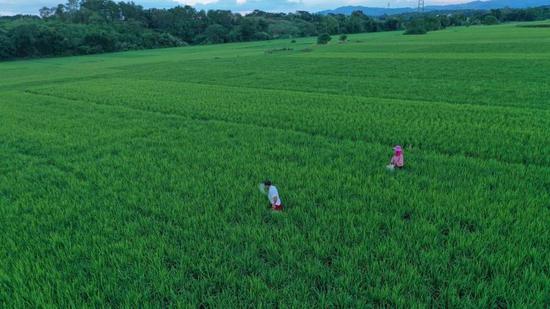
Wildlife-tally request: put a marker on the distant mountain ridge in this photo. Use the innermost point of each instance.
(474, 5)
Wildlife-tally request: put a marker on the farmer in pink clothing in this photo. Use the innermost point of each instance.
(397, 161)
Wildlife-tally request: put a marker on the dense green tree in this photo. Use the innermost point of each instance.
(24, 41)
(355, 23)
(215, 34)
(247, 29)
(261, 36)
(46, 12)
(330, 25)
(220, 17)
(489, 20)
(305, 28)
(131, 11)
(391, 24)
(370, 25)
(94, 26)
(72, 6)
(186, 22)
(99, 40)
(416, 26)
(432, 23)
(283, 29)
(497, 13)
(48, 41)
(7, 50)
(444, 21)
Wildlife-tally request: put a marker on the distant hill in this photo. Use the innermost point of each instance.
(475, 5)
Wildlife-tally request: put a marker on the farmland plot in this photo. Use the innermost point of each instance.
(130, 179)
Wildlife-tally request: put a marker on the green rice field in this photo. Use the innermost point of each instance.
(131, 179)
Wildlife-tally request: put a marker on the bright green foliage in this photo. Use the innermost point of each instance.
(130, 179)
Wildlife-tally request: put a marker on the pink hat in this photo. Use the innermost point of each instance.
(398, 149)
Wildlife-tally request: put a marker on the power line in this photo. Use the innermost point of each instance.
(420, 5)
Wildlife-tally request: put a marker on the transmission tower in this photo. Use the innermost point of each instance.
(420, 5)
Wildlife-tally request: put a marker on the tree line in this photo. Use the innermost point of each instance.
(422, 23)
(81, 27)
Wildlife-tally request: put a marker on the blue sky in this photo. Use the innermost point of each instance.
(10, 7)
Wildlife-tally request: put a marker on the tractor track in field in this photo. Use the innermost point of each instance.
(22, 85)
(329, 137)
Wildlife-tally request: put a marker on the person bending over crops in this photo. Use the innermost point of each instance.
(397, 161)
(273, 196)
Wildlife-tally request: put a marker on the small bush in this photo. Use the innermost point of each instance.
(323, 39)
(416, 27)
(276, 50)
(416, 31)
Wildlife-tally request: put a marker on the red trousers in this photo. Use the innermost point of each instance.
(277, 207)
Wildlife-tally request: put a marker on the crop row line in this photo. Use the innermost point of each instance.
(421, 55)
(18, 86)
(415, 101)
(254, 125)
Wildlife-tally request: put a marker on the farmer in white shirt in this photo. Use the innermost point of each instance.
(273, 196)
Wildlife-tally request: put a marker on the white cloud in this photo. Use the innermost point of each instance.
(10, 7)
(195, 2)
